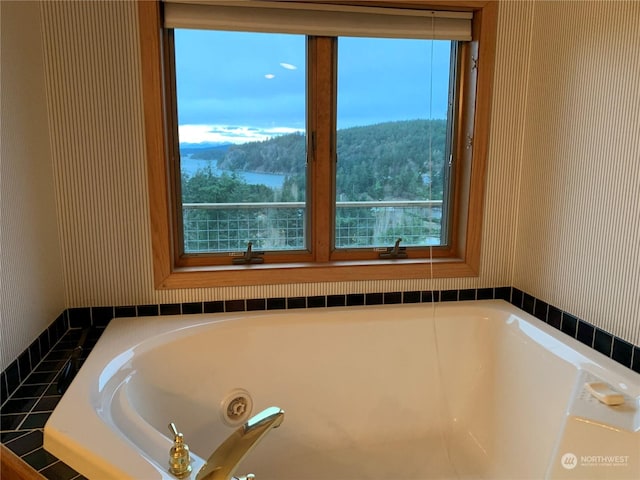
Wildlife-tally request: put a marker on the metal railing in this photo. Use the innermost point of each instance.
(227, 227)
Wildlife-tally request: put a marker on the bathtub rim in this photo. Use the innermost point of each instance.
(66, 445)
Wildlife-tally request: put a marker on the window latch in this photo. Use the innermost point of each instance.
(249, 257)
(395, 252)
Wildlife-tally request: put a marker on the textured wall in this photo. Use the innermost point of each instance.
(98, 151)
(31, 281)
(562, 214)
(578, 234)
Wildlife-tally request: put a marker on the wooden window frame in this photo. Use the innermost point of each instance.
(460, 259)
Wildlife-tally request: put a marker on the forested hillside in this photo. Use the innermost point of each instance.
(387, 161)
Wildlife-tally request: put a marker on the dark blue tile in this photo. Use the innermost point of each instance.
(35, 420)
(50, 366)
(569, 324)
(93, 336)
(602, 342)
(20, 405)
(13, 376)
(336, 300)
(58, 354)
(276, 303)
(79, 317)
(11, 421)
(59, 471)
(528, 303)
(411, 297)
(373, 299)
(58, 328)
(430, 296)
(6, 436)
(216, 306)
(39, 459)
(635, 361)
(554, 317)
(124, 311)
(449, 295)
(45, 344)
(391, 298)
(25, 444)
(234, 306)
(317, 301)
(585, 333)
(46, 404)
(467, 294)
(101, 316)
(503, 293)
(622, 352)
(485, 294)
(51, 390)
(296, 302)
(71, 338)
(40, 378)
(34, 353)
(4, 389)
(256, 304)
(29, 391)
(516, 297)
(24, 365)
(191, 308)
(170, 309)
(540, 310)
(355, 299)
(147, 310)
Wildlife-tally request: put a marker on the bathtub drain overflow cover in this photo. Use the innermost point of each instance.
(236, 407)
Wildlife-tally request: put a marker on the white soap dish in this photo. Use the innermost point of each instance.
(605, 394)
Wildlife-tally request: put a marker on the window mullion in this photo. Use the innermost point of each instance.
(322, 101)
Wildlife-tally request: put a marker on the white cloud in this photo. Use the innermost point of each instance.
(229, 134)
(288, 66)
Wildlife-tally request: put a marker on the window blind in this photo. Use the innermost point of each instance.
(317, 19)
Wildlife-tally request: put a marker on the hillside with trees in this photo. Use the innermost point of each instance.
(386, 161)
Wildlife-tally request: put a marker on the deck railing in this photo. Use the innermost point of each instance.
(227, 227)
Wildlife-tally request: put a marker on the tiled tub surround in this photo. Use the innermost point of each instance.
(29, 385)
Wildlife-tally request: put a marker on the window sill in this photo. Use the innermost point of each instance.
(306, 272)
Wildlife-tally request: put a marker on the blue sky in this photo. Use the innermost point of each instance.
(237, 87)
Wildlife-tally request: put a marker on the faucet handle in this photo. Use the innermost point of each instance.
(248, 476)
(179, 456)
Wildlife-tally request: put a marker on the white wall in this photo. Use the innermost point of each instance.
(100, 170)
(565, 104)
(31, 279)
(578, 228)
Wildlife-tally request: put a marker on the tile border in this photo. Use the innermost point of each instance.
(33, 375)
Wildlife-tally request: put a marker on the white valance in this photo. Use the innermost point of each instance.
(317, 19)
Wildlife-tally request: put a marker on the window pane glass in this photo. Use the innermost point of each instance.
(393, 109)
(241, 125)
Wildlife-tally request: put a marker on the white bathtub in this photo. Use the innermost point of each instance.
(447, 390)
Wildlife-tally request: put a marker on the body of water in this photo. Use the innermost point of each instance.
(190, 166)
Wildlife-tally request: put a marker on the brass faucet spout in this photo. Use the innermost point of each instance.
(223, 463)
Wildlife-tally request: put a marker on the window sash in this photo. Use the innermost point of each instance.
(320, 208)
(478, 58)
(318, 20)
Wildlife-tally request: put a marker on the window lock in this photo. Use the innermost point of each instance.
(249, 257)
(394, 252)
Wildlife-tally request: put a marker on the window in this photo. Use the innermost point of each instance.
(320, 148)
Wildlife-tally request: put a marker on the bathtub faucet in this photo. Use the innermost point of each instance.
(223, 463)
